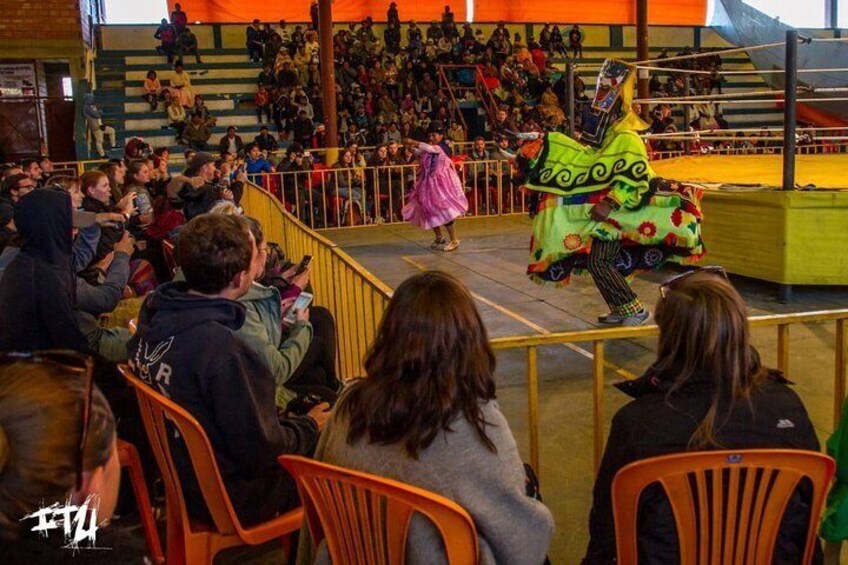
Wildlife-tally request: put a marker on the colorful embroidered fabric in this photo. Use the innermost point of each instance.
(658, 221)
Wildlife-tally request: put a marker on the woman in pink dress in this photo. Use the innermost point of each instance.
(438, 197)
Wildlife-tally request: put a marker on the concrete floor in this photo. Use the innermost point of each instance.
(491, 261)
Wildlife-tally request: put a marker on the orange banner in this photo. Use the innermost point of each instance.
(660, 12)
(222, 11)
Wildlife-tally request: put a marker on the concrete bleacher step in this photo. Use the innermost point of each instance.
(245, 89)
(205, 74)
(143, 60)
(155, 124)
(144, 107)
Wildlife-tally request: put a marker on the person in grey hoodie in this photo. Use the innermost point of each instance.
(96, 127)
(426, 415)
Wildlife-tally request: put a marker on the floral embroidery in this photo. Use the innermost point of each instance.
(647, 229)
(677, 217)
(572, 241)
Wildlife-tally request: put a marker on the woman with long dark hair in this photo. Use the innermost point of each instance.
(426, 415)
(706, 390)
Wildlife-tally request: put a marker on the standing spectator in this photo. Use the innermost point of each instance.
(228, 389)
(557, 43)
(167, 35)
(265, 140)
(197, 133)
(179, 19)
(313, 14)
(254, 43)
(455, 133)
(545, 37)
(392, 15)
(391, 37)
(575, 42)
(152, 90)
(231, 143)
(284, 34)
(187, 45)
(96, 127)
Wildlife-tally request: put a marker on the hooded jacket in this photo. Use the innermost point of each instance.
(90, 109)
(186, 347)
(262, 332)
(37, 288)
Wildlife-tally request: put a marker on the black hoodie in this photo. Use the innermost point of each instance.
(186, 347)
(37, 289)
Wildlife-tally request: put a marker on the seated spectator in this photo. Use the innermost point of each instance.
(264, 104)
(36, 291)
(46, 165)
(42, 410)
(167, 35)
(228, 389)
(253, 41)
(706, 390)
(187, 45)
(176, 115)
(266, 77)
(302, 129)
(152, 90)
(181, 86)
(231, 143)
(265, 140)
(201, 108)
(302, 359)
(462, 449)
(256, 162)
(196, 133)
(197, 189)
(455, 133)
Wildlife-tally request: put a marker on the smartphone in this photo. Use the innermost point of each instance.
(304, 299)
(304, 264)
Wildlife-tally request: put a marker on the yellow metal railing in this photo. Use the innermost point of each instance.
(356, 298)
(599, 338)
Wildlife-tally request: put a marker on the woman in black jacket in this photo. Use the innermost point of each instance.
(706, 390)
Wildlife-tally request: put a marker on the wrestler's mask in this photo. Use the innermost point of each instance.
(606, 107)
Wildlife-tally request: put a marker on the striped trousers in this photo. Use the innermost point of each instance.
(610, 282)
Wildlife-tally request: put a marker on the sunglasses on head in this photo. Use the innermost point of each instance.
(668, 285)
(73, 361)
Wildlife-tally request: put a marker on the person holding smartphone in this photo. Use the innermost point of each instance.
(291, 349)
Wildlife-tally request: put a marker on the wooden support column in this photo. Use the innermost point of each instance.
(328, 73)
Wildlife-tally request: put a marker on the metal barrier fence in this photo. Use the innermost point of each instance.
(328, 198)
(600, 337)
(771, 146)
(356, 298)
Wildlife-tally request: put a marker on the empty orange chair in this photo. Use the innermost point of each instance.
(365, 518)
(128, 457)
(190, 542)
(722, 514)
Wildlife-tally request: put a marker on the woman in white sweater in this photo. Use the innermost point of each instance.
(427, 416)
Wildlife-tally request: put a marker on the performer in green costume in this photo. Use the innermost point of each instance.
(601, 208)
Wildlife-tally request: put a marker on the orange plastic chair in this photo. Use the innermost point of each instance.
(727, 505)
(188, 541)
(128, 457)
(365, 518)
